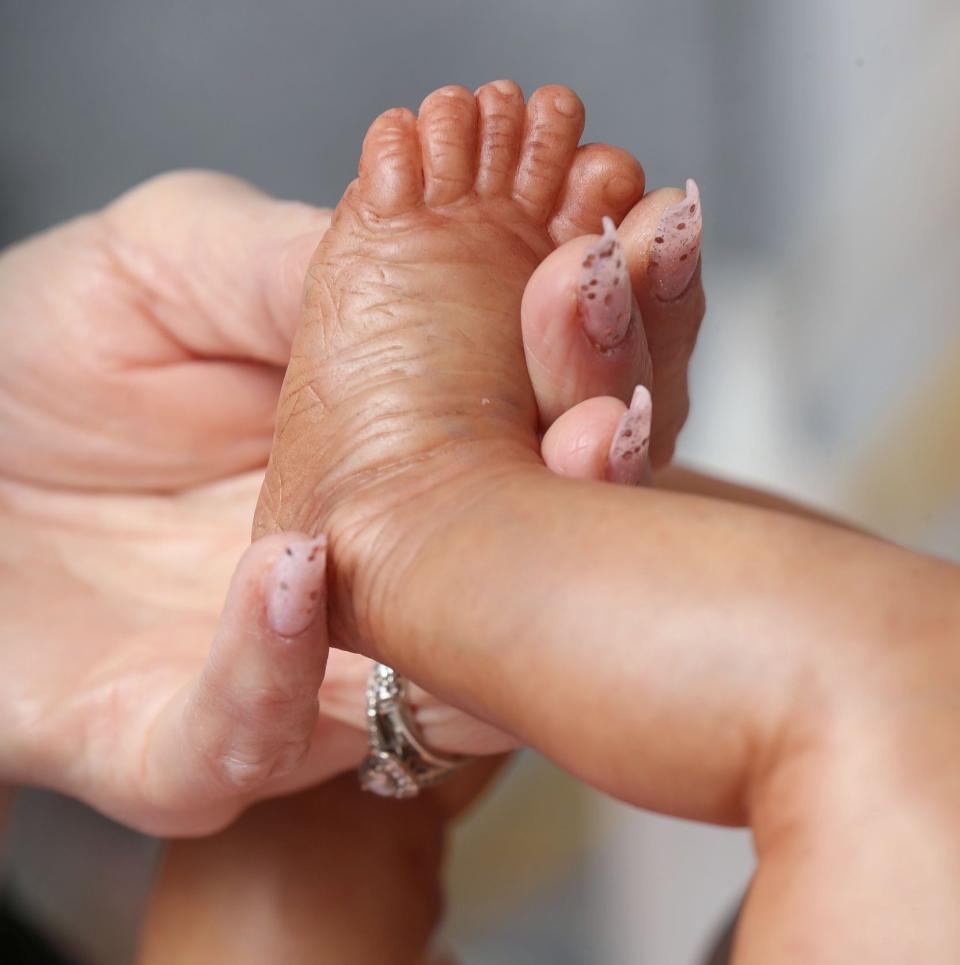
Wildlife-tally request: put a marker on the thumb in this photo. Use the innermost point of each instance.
(250, 715)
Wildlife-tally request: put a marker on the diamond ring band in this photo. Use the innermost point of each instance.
(398, 763)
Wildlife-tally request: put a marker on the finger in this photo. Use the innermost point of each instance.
(249, 717)
(452, 731)
(223, 261)
(602, 181)
(582, 332)
(661, 237)
(444, 728)
(207, 419)
(602, 439)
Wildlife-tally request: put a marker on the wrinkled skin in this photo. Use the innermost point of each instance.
(709, 661)
(128, 471)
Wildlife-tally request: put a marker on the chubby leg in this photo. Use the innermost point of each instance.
(328, 875)
(691, 657)
(529, 171)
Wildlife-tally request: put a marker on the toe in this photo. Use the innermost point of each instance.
(448, 139)
(602, 181)
(501, 131)
(554, 123)
(391, 178)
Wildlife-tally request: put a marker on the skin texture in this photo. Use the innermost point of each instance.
(354, 858)
(409, 469)
(498, 180)
(125, 488)
(450, 118)
(127, 474)
(362, 885)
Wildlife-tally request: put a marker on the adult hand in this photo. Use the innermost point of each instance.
(697, 658)
(145, 349)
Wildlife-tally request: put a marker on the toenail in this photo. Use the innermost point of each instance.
(620, 189)
(505, 87)
(566, 104)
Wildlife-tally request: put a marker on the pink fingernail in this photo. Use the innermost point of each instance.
(604, 291)
(676, 245)
(297, 585)
(628, 461)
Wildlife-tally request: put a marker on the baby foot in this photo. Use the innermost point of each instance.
(408, 366)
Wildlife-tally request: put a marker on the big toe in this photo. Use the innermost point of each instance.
(391, 174)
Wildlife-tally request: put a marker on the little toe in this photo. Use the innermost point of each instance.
(502, 115)
(554, 123)
(448, 139)
(391, 177)
(602, 181)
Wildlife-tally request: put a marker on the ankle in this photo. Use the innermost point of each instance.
(377, 531)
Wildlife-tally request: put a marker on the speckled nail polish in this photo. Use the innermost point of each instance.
(628, 461)
(604, 291)
(296, 586)
(676, 246)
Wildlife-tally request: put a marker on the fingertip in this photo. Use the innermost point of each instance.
(577, 444)
(548, 309)
(295, 588)
(278, 586)
(565, 361)
(628, 459)
(662, 236)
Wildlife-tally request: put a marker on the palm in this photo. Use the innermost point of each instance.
(127, 511)
(136, 584)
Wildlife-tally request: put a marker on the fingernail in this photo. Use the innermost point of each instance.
(604, 291)
(676, 246)
(297, 586)
(628, 461)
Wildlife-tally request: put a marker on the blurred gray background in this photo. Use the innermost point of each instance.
(825, 137)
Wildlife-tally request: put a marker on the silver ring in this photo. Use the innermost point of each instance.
(398, 762)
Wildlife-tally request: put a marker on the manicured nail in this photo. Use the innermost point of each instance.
(297, 586)
(604, 291)
(628, 461)
(676, 246)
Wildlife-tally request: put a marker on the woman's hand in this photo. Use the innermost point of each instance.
(145, 346)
